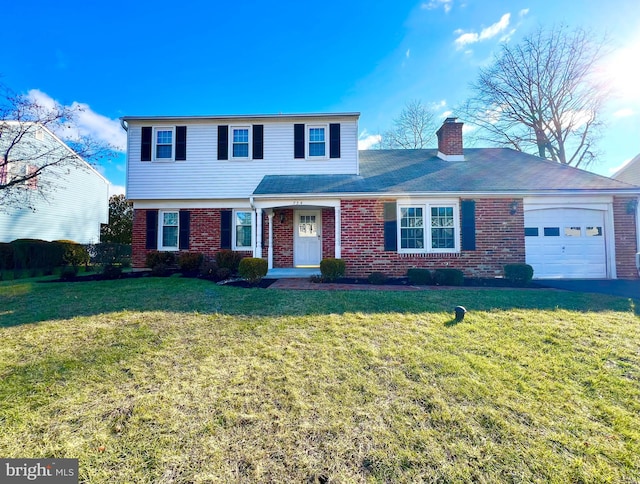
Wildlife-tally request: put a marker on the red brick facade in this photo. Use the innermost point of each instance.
(624, 222)
(499, 241)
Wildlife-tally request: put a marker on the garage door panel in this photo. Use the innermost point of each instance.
(565, 242)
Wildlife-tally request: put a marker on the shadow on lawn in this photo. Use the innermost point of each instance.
(30, 302)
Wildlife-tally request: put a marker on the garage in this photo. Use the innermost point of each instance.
(566, 243)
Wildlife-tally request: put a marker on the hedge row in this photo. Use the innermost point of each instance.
(34, 254)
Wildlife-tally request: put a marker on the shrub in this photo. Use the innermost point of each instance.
(519, 274)
(332, 269)
(161, 270)
(208, 268)
(253, 269)
(33, 254)
(156, 257)
(228, 259)
(420, 277)
(6, 256)
(111, 272)
(222, 273)
(69, 273)
(377, 278)
(73, 253)
(190, 262)
(448, 277)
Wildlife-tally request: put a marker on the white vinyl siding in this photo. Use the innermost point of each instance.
(203, 176)
(73, 210)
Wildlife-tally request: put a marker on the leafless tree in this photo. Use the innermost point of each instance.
(542, 96)
(412, 129)
(32, 156)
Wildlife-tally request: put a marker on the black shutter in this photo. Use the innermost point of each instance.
(468, 224)
(152, 229)
(223, 142)
(334, 140)
(225, 229)
(181, 143)
(390, 227)
(298, 140)
(145, 149)
(185, 222)
(258, 141)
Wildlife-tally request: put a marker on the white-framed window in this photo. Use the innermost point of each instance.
(240, 142)
(169, 222)
(164, 143)
(317, 141)
(39, 134)
(429, 227)
(242, 229)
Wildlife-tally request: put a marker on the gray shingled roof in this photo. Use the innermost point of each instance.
(484, 170)
(630, 173)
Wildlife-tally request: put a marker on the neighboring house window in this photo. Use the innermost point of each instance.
(442, 221)
(163, 144)
(39, 134)
(240, 142)
(169, 230)
(243, 230)
(317, 142)
(32, 183)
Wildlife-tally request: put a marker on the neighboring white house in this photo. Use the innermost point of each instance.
(74, 201)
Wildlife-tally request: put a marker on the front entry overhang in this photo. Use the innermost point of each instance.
(270, 208)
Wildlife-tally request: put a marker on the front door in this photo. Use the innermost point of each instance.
(307, 236)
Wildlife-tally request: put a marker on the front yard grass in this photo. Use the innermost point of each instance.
(180, 380)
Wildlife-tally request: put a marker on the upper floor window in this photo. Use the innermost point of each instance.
(317, 142)
(163, 144)
(240, 142)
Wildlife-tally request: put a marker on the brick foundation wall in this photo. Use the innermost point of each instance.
(499, 241)
(624, 226)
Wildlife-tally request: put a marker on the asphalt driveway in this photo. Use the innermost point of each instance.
(614, 287)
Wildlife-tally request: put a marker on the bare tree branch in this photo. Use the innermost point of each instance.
(33, 159)
(541, 96)
(413, 129)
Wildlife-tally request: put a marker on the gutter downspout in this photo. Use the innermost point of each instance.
(124, 125)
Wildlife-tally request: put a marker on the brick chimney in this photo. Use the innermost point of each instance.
(450, 140)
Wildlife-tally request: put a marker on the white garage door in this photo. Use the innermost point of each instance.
(565, 243)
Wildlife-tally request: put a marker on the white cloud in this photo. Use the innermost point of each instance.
(408, 53)
(624, 113)
(433, 4)
(116, 190)
(366, 140)
(485, 34)
(88, 122)
(438, 105)
(523, 12)
(615, 169)
(446, 114)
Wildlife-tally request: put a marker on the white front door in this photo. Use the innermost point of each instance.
(307, 250)
(565, 243)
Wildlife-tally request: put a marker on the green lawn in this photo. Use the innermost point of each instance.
(180, 380)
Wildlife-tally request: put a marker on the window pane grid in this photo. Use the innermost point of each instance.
(170, 229)
(240, 143)
(411, 228)
(316, 142)
(442, 228)
(243, 229)
(164, 144)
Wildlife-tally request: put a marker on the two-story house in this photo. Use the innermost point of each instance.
(294, 189)
(66, 199)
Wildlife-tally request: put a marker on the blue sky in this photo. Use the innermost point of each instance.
(196, 58)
